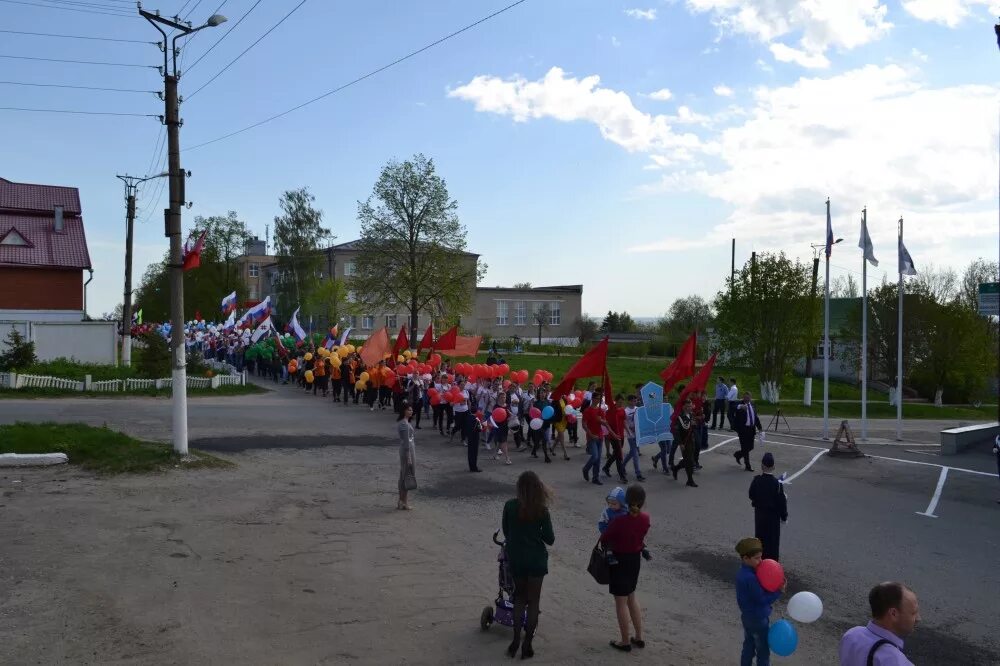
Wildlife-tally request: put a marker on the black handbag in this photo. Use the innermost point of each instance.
(598, 567)
(410, 478)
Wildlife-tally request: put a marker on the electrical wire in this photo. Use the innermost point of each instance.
(226, 34)
(88, 113)
(100, 39)
(68, 9)
(62, 85)
(78, 62)
(362, 77)
(233, 61)
(92, 5)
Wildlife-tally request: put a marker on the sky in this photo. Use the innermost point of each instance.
(615, 144)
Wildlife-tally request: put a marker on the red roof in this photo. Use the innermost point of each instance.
(67, 249)
(38, 198)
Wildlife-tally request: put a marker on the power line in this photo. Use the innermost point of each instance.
(88, 113)
(226, 34)
(100, 39)
(62, 85)
(363, 77)
(93, 5)
(78, 62)
(233, 61)
(68, 9)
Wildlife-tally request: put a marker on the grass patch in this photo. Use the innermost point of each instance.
(99, 449)
(883, 410)
(248, 389)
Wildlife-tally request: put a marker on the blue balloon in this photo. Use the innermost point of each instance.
(548, 412)
(782, 638)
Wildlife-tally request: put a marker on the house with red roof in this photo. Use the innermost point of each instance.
(43, 253)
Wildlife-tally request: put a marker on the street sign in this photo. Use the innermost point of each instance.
(989, 299)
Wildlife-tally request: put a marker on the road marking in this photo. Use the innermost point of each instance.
(937, 495)
(808, 465)
(722, 443)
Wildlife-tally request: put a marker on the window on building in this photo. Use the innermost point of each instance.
(254, 270)
(349, 268)
(501, 313)
(555, 314)
(520, 313)
(390, 321)
(353, 321)
(368, 322)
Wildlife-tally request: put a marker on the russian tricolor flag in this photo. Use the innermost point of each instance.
(229, 303)
(295, 328)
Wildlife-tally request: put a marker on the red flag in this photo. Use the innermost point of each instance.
(697, 383)
(402, 342)
(375, 347)
(592, 364)
(448, 340)
(683, 365)
(192, 253)
(428, 340)
(465, 345)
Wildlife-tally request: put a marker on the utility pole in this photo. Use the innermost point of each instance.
(131, 188)
(173, 217)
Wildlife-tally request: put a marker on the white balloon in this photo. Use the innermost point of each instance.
(805, 607)
(536, 424)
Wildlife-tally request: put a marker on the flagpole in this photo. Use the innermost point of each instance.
(826, 335)
(864, 331)
(899, 347)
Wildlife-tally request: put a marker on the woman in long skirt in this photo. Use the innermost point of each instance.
(407, 453)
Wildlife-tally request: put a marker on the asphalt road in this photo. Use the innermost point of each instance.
(852, 523)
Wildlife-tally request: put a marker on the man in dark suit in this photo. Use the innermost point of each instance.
(747, 426)
(770, 507)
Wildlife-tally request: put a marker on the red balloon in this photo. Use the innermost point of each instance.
(571, 418)
(432, 391)
(771, 575)
(435, 399)
(535, 413)
(402, 370)
(451, 378)
(577, 403)
(537, 379)
(506, 384)
(578, 393)
(504, 368)
(499, 415)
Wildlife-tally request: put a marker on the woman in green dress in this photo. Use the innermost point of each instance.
(527, 528)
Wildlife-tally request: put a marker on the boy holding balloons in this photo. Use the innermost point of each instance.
(757, 588)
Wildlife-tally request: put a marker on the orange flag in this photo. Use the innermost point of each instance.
(376, 347)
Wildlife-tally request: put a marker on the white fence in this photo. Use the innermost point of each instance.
(11, 380)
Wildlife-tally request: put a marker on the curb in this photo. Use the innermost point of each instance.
(32, 459)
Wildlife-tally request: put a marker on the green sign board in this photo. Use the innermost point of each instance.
(989, 299)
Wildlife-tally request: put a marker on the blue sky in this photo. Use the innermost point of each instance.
(552, 126)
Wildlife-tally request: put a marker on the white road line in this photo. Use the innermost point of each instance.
(937, 495)
(722, 443)
(808, 465)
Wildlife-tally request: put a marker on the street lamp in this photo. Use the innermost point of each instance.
(172, 215)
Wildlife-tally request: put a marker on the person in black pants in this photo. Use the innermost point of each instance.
(473, 426)
(719, 404)
(685, 432)
(770, 507)
(747, 426)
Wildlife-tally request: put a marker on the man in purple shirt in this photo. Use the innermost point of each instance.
(895, 613)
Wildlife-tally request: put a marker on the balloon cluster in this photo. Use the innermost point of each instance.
(803, 607)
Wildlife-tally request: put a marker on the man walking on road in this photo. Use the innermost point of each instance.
(770, 507)
(895, 614)
(732, 398)
(719, 405)
(747, 427)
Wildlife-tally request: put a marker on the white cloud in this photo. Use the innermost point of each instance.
(947, 12)
(764, 66)
(819, 24)
(918, 54)
(569, 99)
(661, 95)
(785, 53)
(614, 42)
(723, 90)
(641, 14)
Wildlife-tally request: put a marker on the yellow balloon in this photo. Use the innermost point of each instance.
(309, 376)
(308, 356)
(360, 386)
(400, 359)
(335, 361)
(351, 349)
(364, 376)
(407, 354)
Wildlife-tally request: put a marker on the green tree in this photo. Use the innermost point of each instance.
(979, 271)
(586, 328)
(226, 240)
(329, 302)
(541, 317)
(762, 317)
(298, 241)
(684, 316)
(956, 351)
(412, 247)
(19, 354)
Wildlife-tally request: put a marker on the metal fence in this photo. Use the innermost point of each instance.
(11, 380)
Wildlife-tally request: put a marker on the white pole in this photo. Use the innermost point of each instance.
(864, 334)
(826, 343)
(899, 347)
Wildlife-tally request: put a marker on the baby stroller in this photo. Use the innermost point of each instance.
(502, 611)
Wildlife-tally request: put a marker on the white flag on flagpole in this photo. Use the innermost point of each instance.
(906, 266)
(262, 330)
(866, 244)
